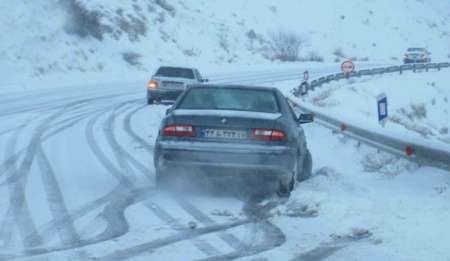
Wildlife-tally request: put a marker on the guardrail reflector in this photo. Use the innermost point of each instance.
(409, 151)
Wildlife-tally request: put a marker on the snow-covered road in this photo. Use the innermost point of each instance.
(76, 183)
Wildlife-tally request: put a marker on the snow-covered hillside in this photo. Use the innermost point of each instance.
(124, 40)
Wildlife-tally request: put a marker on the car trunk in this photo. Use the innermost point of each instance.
(224, 125)
(172, 83)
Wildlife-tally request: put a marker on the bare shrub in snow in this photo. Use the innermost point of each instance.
(83, 22)
(132, 26)
(132, 58)
(223, 39)
(415, 111)
(313, 57)
(166, 6)
(254, 36)
(412, 126)
(364, 59)
(161, 18)
(286, 46)
(339, 53)
(385, 164)
(190, 52)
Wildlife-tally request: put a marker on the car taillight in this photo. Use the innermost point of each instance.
(179, 131)
(268, 135)
(152, 84)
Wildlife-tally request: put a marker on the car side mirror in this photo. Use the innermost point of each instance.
(305, 118)
(168, 111)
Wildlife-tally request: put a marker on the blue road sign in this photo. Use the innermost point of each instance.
(382, 109)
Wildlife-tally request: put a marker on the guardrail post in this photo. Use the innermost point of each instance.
(414, 67)
(401, 69)
(439, 66)
(426, 67)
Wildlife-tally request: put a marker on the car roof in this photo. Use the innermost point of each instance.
(177, 67)
(233, 86)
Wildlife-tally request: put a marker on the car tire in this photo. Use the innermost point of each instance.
(306, 172)
(150, 101)
(285, 191)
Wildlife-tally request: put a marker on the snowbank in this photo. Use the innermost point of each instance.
(418, 103)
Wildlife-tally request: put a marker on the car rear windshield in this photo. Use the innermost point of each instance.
(175, 72)
(230, 99)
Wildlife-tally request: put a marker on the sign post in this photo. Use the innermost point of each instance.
(305, 76)
(304, 84)
(382, 104)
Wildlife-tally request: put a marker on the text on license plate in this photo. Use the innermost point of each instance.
(224, 134)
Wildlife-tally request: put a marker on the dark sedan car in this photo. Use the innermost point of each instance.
(244, 132)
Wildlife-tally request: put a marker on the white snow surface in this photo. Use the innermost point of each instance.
(76, 137)
(77, 182)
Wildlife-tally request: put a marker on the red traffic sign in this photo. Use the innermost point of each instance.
(348, 67)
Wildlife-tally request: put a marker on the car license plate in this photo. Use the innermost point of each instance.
(225, 134)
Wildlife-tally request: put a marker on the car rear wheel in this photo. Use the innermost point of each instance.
(305, 173)
(284, 190)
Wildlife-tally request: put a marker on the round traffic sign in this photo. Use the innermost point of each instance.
(348, 67)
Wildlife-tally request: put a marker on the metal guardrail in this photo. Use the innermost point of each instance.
(382, 70)
(420, 152)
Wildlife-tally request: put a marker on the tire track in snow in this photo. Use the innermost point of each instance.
(9, 162)
(18, 202)
(201, 245)
(6, 165)
(115, 207)
(159, 243)
(18, 208)
(273, 237)
(122, 157)
(228, 238)
(7, 226)
(121, 154)
(327, 249)
(130, 131)
(58, 209)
